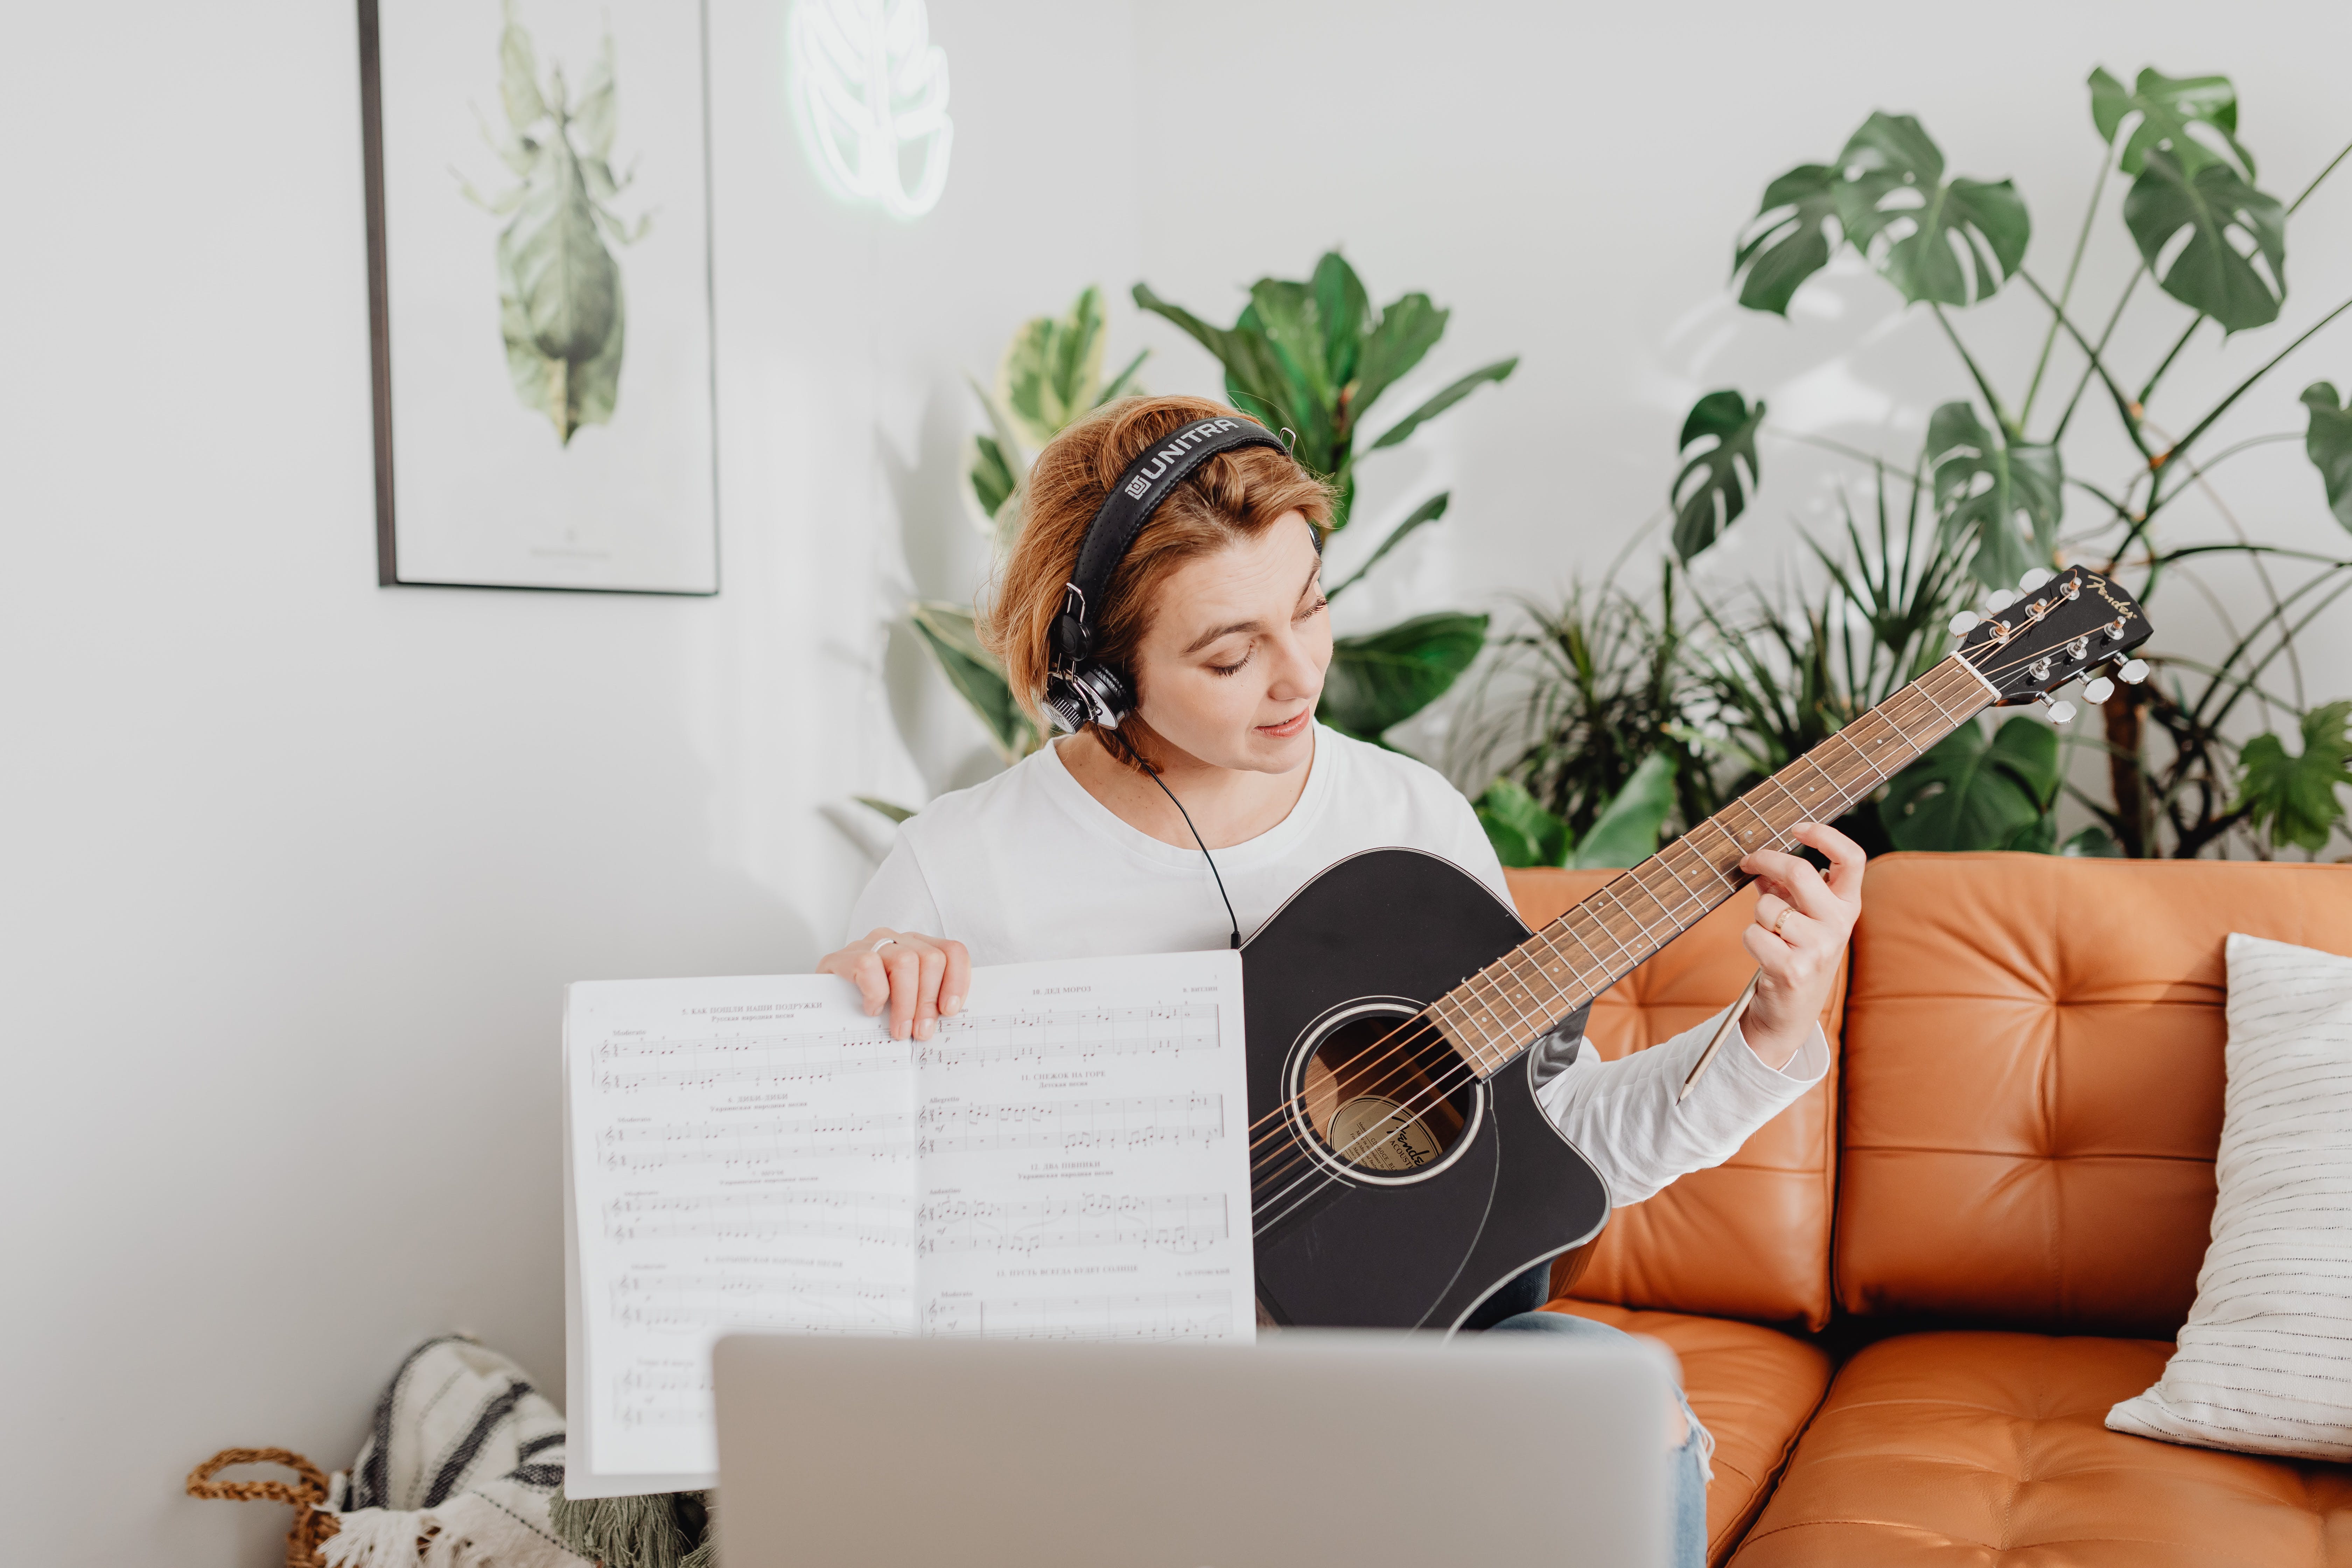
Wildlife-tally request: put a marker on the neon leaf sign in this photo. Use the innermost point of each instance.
(870, 89)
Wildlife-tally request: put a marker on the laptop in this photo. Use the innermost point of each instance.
(1345, 1449)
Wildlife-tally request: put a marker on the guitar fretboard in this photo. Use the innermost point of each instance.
(1496, 1014)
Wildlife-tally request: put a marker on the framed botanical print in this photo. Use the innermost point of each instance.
(539, 289)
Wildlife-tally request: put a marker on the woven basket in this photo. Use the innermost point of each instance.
(313, 1522)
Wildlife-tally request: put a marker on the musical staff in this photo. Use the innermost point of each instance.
(877, 1218)
(749, 1062)
(1169, 1315)
(1184, 1223)
(700, 1303)
(984, 1038)
(962, 1127)
(753, 1144)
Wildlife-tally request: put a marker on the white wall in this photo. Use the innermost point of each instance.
(1569, 179)
(296, 867)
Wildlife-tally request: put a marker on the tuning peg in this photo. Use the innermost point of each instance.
(2097, 692)
(1966, 622)
(2034, 576)
(2133, 672)
(2060, 710)
(1999, 599)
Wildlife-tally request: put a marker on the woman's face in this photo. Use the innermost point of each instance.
(1232, 660)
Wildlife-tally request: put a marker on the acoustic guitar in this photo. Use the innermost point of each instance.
(1401, 1018)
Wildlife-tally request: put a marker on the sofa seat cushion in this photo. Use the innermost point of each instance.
(1752, 1387)
(1991, 1448)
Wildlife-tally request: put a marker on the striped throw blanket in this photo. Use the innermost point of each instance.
(458, 1472)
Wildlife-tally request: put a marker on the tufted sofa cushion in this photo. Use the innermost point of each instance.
(1750, 1239)
(2032, 1072)
(1989, 1449)
(1751, 1387)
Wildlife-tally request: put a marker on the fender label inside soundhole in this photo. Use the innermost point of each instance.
(1379, 1135)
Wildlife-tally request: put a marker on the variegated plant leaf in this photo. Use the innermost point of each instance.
(1052, 369)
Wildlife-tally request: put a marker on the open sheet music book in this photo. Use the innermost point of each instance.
(1068, 1157)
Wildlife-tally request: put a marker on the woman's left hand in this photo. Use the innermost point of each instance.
(1802, 922)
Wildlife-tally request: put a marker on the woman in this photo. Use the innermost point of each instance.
(1216, 618)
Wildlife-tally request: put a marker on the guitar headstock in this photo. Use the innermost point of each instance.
(2062, 625)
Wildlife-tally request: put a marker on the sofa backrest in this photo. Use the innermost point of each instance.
(1750, 1239)
(2033, 1080)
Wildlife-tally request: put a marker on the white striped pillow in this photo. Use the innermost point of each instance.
(2265, 1362)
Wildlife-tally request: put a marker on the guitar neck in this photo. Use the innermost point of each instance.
(1494, 1016)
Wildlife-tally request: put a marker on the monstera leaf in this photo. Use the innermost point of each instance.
(1982, 485)
(2167, 107)
(948, 633)
(1790, 239)
(1386, 678)
(2294, 799)
(1716, 481)
(1968, 792)
(2220, 213)
(2328, 440)
(1953, 242)
(561, 309)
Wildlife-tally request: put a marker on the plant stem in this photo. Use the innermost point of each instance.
(1828, 445)
(2316, 178)
(2123, 404)
(2148, 389)
(2240, 391)
(2066, 292)
(2104, 333)
(1992, 399)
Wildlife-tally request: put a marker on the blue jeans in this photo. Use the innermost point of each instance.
(1688, 1467)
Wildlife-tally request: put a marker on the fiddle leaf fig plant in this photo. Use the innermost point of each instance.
(1311, 357)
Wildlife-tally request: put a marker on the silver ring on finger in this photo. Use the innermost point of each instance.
(882, 942)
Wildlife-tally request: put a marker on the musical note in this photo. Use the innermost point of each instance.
(978, 1040)
(1183, 1223)
(881, 1218)
(700, 1302)
(881, 1135)
(1170, 1315)
(958, 1127)
(747, 1062)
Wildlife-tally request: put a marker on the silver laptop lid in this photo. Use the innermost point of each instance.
(1353, 1450)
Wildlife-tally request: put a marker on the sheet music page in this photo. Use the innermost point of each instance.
(1067, 1157)
(742, 1157)
(1085, 1168)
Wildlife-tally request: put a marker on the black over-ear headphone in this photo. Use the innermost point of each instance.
(1079, 688)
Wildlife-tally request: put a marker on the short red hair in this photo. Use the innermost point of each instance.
(1230, 497)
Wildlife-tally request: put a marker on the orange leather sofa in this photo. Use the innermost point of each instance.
(1906, 1306)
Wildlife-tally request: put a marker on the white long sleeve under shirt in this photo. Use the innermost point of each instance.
(1030, 866)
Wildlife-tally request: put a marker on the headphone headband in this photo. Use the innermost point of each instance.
(1142, 486)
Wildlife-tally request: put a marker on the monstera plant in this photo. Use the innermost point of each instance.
(1312, 357)
(560, 297)
(1995, 475)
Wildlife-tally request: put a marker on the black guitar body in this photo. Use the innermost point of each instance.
(1367, 943)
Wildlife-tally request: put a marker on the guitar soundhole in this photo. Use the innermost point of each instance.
(1382, 1098)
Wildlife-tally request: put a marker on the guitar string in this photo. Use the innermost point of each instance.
(1419, 1025)
(1422, 1027)
(1441, 1086)
(1440, 1089)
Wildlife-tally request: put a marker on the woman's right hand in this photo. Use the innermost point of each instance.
(921, 979)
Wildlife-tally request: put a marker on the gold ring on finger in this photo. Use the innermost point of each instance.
(1779, 920)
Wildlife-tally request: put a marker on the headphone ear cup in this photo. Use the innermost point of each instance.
(1090, 694)
(1113, 697)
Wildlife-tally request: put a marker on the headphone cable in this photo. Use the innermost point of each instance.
(1153, 774)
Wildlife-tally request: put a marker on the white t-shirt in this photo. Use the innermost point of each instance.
(1029, 865)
